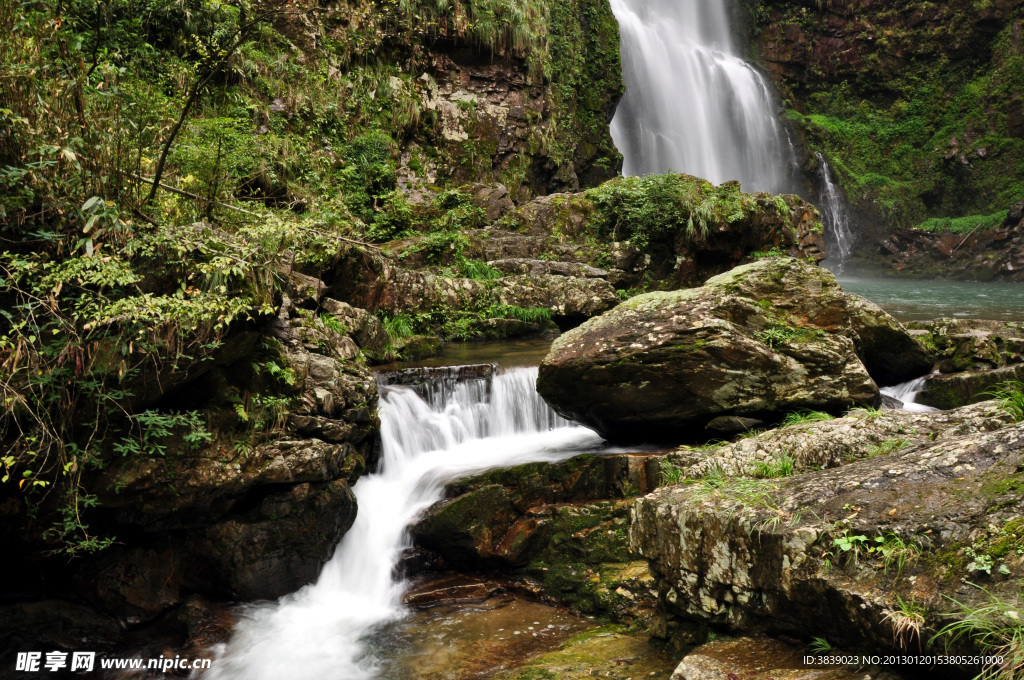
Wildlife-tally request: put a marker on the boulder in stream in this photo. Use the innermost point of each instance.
(756, 342)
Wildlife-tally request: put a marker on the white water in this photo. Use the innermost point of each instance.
(320, 632)
(692, 104)
(907, 393)
(836, 218)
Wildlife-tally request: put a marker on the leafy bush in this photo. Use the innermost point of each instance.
(645, 209)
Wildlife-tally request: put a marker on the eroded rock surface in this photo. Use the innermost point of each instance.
(760, 340)
(763, 555)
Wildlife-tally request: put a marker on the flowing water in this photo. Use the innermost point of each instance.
(322, 631)
(836, 217)
(692, 104)
(907, 393)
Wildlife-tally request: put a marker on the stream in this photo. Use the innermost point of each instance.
(322, 631)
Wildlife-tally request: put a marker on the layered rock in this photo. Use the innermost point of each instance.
(766, 338)
(827, 553)
(832, 443)
(250, 511)
(556, 529)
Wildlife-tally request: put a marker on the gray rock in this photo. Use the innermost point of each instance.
(761, 340)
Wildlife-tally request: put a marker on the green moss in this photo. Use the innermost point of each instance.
(964, 225)
(925, 134)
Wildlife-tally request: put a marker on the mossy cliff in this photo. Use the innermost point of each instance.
(916, 105)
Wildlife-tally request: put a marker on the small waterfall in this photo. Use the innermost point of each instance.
(907, 393)
(322, 631)
(692, 104)
(836, 217)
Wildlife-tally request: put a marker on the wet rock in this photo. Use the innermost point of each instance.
(968, 387)
(493, 199)
(731, 425)
(418, 347)
(973, 344)
(365, 328)
(756, 342)
(250, 517)
(466, 530)
(31, 626)
(832, 443)
(449, 590)
(890, 354)
(762, 556)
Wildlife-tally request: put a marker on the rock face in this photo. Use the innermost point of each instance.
(974, 358)
(825, 554)
(557, 529)
(255, 511)
(832, 443)
(851, 67)
(766, 338)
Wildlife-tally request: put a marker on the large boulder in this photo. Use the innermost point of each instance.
(841, 553)
(761, 340)
(889, 352)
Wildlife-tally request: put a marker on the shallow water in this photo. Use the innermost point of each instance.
(915, 300)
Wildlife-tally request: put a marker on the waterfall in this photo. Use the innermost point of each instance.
(907, 393)
(836, 217)
(321, 632)
(692, 104)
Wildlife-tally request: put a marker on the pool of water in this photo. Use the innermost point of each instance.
(915, 300)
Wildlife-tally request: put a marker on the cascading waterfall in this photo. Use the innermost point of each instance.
(907, 393)
(321, 632)
(836, 218)
(692, 104)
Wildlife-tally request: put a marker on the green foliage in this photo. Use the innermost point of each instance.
(768, 254)
(820, 646)
(804, 416)
(670, 474)
(656, 207)
(398, 327)
(149, 432)
(776, 336)
(1011, 398)
(887, 447)
(479, 271)
(996, 627)
(530, 315)
(963, 225)
(777, 468)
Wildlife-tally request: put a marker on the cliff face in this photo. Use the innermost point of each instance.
(916, 105)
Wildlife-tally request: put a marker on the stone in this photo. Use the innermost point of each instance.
(832, 443)
(365, 328)
(754, 556)
(766, 338)
(757, 658)
(968, 387)
(732, 425)
(890, 354)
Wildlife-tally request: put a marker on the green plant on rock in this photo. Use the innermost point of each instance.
(996, 627)
(887, 447)
(538, 315)
(805, 416)
(777, 468)
(670, 474)
(1010, 395)
(906, 618)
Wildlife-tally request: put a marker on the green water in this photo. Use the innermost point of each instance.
(907, 300)
(910, 300)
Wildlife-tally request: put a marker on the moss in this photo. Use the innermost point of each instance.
(917, 120)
